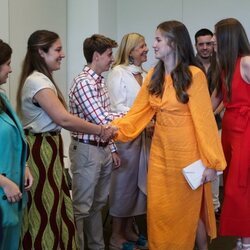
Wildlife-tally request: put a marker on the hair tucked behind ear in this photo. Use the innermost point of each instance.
(180, 41)
(39, 40)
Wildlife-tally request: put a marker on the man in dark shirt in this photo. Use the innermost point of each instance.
(207, 59)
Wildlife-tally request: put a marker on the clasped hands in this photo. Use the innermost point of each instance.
(108, 132)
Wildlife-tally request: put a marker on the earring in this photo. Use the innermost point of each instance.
(131, 60)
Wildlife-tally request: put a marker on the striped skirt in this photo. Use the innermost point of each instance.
(48, 221)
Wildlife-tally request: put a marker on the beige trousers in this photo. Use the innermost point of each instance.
(91, 168)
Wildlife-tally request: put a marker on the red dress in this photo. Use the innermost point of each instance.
(235, 216)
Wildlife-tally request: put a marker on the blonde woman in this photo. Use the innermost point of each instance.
(128, 183)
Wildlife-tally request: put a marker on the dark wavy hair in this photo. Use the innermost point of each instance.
(179, 39)
(5, 55)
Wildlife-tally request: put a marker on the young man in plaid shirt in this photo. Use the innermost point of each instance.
(91, 158)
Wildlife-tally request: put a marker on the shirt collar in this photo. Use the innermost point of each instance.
(96, 77)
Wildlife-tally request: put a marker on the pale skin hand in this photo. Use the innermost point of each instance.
(209, 174)
(11, 190)
(116, 160)
(216, 100)
(28, 180)
(108, 132)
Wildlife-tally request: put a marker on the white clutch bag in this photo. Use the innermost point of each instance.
(193, 173)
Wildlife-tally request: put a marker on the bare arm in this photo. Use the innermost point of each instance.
(216, 100)
(219, 108)
(11, 190)
(28, 179)
(48, 100)
(245, 68)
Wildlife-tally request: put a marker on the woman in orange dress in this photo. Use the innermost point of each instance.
(176, 92)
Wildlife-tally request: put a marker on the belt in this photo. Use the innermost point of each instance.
(52, 133)
(91, 142)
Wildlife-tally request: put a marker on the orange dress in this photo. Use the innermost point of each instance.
(183, 134)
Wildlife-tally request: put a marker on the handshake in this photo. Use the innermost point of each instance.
(107, 132)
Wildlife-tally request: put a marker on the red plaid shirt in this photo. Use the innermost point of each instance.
(89, 100)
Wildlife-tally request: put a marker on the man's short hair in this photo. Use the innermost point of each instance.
(202, 32)
(98, 43)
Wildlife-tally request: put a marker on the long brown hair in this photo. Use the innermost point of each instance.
(5, 55)
(232, 43)
(43, 40)
(179, 38)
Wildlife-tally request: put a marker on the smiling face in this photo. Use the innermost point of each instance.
(161, 47)
(103, 61)
(139, 53)
(5, 69)
(54, 56)
(204, 46)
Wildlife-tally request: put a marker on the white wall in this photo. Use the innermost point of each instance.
(82, 16)
(143, 16)
(108, 18)
(4, 32)
(86, 17)
(18, 20)
(212, 11)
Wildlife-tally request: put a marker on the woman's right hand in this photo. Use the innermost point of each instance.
(12, 191)
(108, 132)
(209, 174)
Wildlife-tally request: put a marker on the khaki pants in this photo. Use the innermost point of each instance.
(91, 168)
(216, 190)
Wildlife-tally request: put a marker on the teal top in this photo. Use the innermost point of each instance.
(13, 149)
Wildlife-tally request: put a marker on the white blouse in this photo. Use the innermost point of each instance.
(34, 118)
(123, 87)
